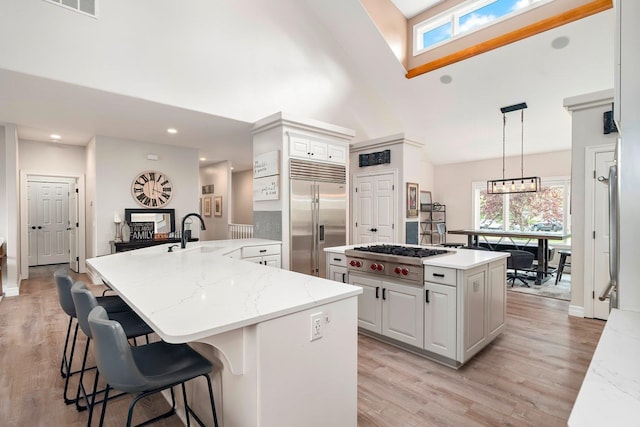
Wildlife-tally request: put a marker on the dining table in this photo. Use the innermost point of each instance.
(524, 238)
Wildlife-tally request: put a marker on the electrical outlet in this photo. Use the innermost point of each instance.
(316, 326)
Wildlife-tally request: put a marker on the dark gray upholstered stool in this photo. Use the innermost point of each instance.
(112, 304)
(562, 264)
(519, 260)
(132, 324)
(145, 369)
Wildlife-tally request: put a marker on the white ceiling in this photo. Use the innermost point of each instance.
(335, 68)
(411, 8)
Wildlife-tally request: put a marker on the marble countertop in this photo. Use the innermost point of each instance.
(460, 259)
(197, 292)
(610, 392)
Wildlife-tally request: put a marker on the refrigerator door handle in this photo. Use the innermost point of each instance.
(613, 223)
(321, 233)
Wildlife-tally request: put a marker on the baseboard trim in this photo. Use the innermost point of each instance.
(11, 292)
(576, 311)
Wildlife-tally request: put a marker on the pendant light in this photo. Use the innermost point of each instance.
(530, 184)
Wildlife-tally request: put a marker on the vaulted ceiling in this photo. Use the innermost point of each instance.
(230, 63)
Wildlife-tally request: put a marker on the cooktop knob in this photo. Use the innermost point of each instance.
(397, 270)
(374, 266)
(405, 271)
(380, 267)
(352, 263)
(358, 264)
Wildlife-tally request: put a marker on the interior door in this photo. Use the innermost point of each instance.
(375, 208)
(48, 221)
(73, 228)
(601, 244)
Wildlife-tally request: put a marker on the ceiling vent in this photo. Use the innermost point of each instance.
(87, 7)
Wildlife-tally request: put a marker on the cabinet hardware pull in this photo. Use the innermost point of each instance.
(377, 292)
(427, 297)
(438, 275)
(384, 293)
(344, 277)
(337, 259)
(263, 251)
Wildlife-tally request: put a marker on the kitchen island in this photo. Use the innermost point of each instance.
(443, 306)
(255, 323)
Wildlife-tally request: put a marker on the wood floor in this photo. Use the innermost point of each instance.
(529, 376)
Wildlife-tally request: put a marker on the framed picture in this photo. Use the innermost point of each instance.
(412, 199)
(207, 206)
(217, 211)
(425, 201)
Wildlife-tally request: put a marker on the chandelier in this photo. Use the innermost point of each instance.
(529, 184)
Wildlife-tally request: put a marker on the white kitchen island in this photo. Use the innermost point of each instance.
(255, 322)
(455, 309)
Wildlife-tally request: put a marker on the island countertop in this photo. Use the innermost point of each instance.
(197, 292)
(460, 259)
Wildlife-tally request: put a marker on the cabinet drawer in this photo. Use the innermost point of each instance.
(446, 276)
(251, 251)
(337, 259)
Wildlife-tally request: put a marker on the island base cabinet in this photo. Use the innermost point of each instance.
(440, 331)
(497, 299)
(369, 303)
(402, 313)
(474, 313)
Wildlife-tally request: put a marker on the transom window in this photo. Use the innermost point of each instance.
(546, 210)
(87, 7)
(465, 18)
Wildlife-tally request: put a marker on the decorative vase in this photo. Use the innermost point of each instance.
(126, 232)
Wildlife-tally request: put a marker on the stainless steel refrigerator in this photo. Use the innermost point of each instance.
(318, 205)
(612, 290)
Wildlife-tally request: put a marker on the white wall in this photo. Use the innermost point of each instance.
(52, 158)
(453, 182)
(217, 174)
(118, 162)
(242, 197)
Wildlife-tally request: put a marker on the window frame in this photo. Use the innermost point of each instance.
(565, 181)
(453, 16)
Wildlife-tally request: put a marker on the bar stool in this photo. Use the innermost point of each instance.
(112, 304)
(563, 262)
(132, 325)
(145, 369)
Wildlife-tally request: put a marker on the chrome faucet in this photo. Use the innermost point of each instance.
(183, 236)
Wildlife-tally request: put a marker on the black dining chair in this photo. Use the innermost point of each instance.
(145, 369)
(519, 260)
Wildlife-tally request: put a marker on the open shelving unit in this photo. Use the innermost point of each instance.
(429, 220)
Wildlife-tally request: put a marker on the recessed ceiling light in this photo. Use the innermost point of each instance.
(202, 159)
(446, 79)
(55, 137)
(172, 131)
(560, 42)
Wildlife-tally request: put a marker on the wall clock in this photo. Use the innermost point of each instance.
(152, 189)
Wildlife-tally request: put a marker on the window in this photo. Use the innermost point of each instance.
(466, 18)
(546, 210)
(87, 7)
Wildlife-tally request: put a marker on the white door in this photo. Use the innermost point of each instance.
(369, 303)
(74, 213)
(48, 221)
(402, 313)
(601, 228)
(375, 208)
(440, 319)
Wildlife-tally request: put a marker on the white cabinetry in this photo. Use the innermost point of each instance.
(496, 299)
(390, 309)
(440, 312)
(337, 267)
(309, 148)
(474, 311)
(264, 254)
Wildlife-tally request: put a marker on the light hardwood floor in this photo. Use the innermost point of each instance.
(529, 376)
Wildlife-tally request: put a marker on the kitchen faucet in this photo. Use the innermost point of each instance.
(183, 236)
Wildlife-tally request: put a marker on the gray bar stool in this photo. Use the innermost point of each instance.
(112, 304)
(132, 324)
(145, 369)
(562, 264)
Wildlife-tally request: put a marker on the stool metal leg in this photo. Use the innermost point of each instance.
(563, 260)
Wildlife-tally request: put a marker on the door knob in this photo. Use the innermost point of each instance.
(39, 227)
(33, 227)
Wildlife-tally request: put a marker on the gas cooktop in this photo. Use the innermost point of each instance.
(401, 250)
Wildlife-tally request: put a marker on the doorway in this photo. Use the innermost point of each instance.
(375, 208)
(52, 221)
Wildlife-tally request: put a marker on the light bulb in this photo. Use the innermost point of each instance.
(522, 185)
(533, 185)
(513, 186)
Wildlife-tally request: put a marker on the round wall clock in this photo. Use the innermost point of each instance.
(152, 189)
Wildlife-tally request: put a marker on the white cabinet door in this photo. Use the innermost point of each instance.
(299, 147)
(375, 208)
(318, 150)
(474, 312)
(272, 260)
(338, 273)
(440, 319)
(337, 154)
(256, 260)
(369, 303)
(496, 298)
(402, 313)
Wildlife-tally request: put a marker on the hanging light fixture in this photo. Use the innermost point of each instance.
(529, 184)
